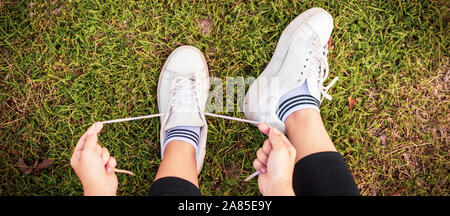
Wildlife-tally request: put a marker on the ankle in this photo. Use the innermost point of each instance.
(180, 150)
(302, 114)
(179, 161)
(299, 117)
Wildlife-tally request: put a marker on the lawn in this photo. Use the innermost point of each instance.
(67, 64)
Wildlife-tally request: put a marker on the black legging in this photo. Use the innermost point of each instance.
(319, 174)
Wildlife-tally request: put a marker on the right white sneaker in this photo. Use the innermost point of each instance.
(300, 55)
(182, 93)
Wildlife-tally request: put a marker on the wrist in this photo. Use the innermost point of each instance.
(288, 191)
(98, 192)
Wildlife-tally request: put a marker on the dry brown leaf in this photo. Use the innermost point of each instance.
(351, 102)
(35, 164)
(36, 168)
(330, 44)
(23, 167)
(382, 139)
(205, 26)
(44, 164)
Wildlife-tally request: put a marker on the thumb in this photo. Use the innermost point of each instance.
(91, 138)
(82, 140)
(264, 128)
(276, 138)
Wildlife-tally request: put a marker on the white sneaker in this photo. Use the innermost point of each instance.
(182, 93)
(301, 54)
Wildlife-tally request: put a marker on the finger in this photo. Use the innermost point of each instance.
(95, 128)
(80, 143)
(267, 147)
(75, 158)
(261, 156)
(292, 151)
(105, 155)
(259, 166)
(98, 149)
(82, 140)
(91, 139)
(264, 128)
(111, 164)
(91, 143)
(286, 140)
(276, 138)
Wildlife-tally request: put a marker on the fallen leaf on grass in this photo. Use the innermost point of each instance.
(351, 102)
(23, 167)
(205, 26)
(330, 44)
(44, 164)
(382, 139)
(36, 168)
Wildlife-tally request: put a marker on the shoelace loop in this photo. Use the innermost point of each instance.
(182, 93)
(320, 63)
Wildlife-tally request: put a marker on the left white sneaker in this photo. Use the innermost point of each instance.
(182, 94)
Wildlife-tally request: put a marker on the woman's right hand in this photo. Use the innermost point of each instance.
(275, 161)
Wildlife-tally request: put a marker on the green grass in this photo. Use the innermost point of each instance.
(67, 64)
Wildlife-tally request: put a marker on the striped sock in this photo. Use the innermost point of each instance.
(187, 134)
(296, 99)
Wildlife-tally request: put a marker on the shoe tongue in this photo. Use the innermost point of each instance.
(184, 119)
(313, 88)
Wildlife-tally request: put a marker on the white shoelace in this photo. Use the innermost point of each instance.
(320, 55)
(206, 114)
(183, 94)
(182, 85)
(161, 114)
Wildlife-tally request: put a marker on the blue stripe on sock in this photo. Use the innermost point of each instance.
(287, 103)
(281, 115)
(281, 110)
(182, 135)
(304, 96)
(171, 131)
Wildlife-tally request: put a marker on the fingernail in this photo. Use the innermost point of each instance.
(263, 170)
(275, 131)
(264, 126)
(90, 129)
(98, 126)
(108, 169)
